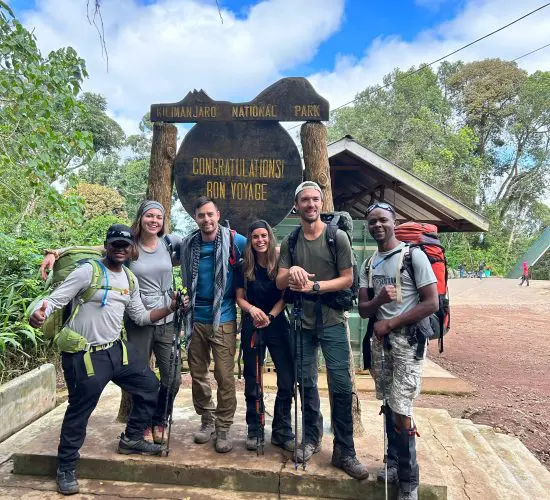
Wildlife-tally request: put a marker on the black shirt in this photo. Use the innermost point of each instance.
(262, 292)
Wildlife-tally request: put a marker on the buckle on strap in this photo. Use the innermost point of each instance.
(102, 347)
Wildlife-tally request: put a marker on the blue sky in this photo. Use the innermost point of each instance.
(160, 49)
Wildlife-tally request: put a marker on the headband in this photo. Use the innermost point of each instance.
(149, 204)
(259, 224)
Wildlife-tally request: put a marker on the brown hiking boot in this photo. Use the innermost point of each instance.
(223, 441)
(207, 430)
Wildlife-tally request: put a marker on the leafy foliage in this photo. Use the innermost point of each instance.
(479, 131)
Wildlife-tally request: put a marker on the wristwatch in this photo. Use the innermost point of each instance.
(271, 317)
(316, 287)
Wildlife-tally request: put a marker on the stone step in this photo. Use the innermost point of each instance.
(502, 479)
(465, 477)
(17, 486)
(191, 465)
(533, 477)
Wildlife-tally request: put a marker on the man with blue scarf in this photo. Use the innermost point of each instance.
(208, 256)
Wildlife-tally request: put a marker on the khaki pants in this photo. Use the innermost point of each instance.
(223, 345)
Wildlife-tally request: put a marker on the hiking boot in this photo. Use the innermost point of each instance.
(408, 495)
(287, 445)
(159, 434)
(66, 482)
(252, 443)
(304, 453)
(223, 441)
(207, 430)
(148, 435)
(128, 446)
(350, 465)
(392, 474)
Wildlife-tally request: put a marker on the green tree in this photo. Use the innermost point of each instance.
(409, 122)
(39, 113)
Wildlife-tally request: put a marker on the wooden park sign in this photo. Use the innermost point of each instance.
(238, 154)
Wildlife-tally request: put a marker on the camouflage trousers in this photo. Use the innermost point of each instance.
(402, 372)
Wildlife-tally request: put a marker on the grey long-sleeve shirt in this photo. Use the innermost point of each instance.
(99, 325)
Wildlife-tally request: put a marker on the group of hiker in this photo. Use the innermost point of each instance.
(312, 277)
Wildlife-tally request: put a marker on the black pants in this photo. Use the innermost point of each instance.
(135, 378)
(275, 338)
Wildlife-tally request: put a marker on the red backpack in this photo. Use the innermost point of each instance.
(424, 236)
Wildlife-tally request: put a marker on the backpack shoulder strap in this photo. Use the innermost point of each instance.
(131, 278)
(292, 241)
(404, 251)
(369, 268)
(330, 234)
(98, 274)
(407, 261)
(168, 244)
(232, 248)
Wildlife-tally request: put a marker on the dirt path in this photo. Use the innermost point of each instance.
(500, 343)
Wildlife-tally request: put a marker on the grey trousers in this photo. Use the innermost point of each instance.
(158, 339)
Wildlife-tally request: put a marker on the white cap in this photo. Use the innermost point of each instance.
(308, 185)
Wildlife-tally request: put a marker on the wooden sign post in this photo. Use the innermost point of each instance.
(238, 154)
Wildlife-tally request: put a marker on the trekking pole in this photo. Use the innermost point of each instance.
(172, 367)
(296, 314)
(384, 415)
(260, 408)
(302, 392)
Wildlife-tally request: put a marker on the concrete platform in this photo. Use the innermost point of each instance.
(435, 380)
(199, 466)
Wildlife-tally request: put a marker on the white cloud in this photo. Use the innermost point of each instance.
(479, 17)
(158, 52)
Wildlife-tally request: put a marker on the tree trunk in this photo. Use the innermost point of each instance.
(313, 136)
(358, 429)
(161, 178)
(314, 145)
(159, 188)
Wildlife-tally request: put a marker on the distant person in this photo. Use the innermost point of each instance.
(481, 270)
(525, 274)
(462, 270)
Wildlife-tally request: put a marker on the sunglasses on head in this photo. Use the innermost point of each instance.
(120, 234)
(383, 205)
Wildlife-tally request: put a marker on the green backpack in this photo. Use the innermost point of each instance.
(68, 261)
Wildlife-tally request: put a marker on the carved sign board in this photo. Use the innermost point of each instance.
(289, 99)
(250, 169)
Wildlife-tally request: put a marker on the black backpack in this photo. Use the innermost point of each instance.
(343, 299)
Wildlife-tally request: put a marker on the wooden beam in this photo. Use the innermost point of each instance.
(430, 208)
